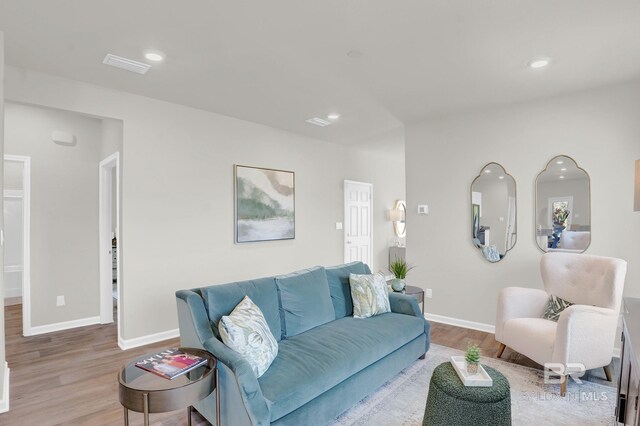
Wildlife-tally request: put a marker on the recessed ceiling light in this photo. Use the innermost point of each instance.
(487, 171)
(559, 162)
(154, 55)
(564, 169)
(500, 177)
(539, 63)
(126, 64)
(354, 54)
(317, 121)
(561, 176)
(333, 116)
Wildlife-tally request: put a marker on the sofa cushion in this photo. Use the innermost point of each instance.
(305, 302)
(313, 362)
(338, 278)
(220, 300)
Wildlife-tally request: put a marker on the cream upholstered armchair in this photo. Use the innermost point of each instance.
(585, 331)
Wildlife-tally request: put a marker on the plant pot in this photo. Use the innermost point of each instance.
(397, 284)
(472, 367)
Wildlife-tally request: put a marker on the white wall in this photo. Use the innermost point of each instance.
(64, 209)
(600, 129)
(177, 194)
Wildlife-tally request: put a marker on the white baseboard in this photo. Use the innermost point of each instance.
(59, 326)
(148, 339)
(4, 392)
(487, 328)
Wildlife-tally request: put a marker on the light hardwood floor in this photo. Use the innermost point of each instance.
(70, 377)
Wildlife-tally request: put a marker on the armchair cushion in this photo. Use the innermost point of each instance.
(554, 308)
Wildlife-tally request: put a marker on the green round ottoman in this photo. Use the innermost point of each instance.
(452, 403)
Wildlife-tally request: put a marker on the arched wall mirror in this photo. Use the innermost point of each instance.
(563, 207)
(493, 212)
(398, 217)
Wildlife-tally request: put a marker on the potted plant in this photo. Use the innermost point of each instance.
(399, 269)
(472, 356)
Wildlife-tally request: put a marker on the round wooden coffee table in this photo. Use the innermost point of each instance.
(146, 393)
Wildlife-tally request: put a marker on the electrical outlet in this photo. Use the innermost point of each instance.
(428, 293)
(60, 301)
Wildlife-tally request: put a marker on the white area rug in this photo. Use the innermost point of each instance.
(402, 401)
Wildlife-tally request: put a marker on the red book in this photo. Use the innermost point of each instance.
(171, 363)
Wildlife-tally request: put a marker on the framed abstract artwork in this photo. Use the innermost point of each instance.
(264, 204)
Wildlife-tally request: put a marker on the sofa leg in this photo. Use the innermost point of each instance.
(563, 385)
(423, 356)
(607, 372)
(500, 350)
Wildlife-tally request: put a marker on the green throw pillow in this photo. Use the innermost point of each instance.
(554, 308)
(370, 295)
(245, 330)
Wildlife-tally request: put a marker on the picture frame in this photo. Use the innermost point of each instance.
(264, 204)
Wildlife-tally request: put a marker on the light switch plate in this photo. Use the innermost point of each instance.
(338, 225)
(423, 209)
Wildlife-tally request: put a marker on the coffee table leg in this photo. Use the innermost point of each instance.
(146, 409)
(189, 411)
(126, 417)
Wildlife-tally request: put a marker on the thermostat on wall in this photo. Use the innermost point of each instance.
(423, 209)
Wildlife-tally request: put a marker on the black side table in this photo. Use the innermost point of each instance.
(417, 292)
(146, 393)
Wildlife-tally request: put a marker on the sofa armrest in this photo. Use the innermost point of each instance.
(195, 331)
(404, 304)
(586, 335)
(518, 302)
(250, 391)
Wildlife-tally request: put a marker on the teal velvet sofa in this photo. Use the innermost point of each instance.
(327, 360)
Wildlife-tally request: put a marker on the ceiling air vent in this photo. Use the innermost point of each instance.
(318, 122)
(126, 64)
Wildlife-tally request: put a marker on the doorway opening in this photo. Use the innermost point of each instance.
(16, 235)
(109, 240)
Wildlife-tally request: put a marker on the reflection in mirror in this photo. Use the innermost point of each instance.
(563, 207)
(493, 212)
(398, 215)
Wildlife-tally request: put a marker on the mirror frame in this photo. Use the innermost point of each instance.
(400, 226)
(535, 201)
(515, 194)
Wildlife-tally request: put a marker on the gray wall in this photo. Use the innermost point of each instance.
(599, 129)
(177, 195)
(64, 209)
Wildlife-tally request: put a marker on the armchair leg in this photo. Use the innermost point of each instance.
(607, 372)
(500, 350)
(563, 385)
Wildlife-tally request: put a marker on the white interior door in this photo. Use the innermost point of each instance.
(358, 238)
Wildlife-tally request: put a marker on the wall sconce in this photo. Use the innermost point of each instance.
(398, 215)
(636, 198)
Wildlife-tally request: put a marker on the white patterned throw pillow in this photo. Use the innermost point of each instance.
(245, 330)
(370, 295)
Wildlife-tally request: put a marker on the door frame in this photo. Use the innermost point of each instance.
(26, 235)
(344, 233)
(106, 168)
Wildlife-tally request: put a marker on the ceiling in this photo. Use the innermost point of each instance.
(280, 62)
